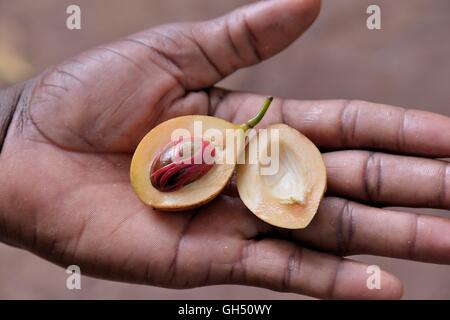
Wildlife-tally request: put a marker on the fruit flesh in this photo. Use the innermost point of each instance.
(290, 184)
(196, 193)
(290, 197)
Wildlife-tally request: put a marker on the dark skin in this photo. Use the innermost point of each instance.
(66, 194)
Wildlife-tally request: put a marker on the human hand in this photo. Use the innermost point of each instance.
(66, 194)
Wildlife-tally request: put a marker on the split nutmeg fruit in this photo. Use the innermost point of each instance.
(187, 161)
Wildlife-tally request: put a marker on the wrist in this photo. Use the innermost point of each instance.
(9, 100)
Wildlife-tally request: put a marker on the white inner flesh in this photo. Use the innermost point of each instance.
(289, 185)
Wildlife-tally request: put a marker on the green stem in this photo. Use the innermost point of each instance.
(256, 119)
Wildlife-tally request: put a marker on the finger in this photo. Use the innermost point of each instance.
(206, 52)
(106, 99)
(388, 180)
(337, 124)
(283, 266)
(224, 243)
(347, 228)
(359, 124)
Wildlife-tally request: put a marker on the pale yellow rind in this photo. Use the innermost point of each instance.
(260, 199)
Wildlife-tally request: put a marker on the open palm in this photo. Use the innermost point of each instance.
(65, 163)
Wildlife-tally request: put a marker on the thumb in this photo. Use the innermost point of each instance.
(216, 48)
(109, 97)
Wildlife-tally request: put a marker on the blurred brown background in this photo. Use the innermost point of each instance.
(407, 63)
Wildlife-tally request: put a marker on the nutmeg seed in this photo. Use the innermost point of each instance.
(180, 163)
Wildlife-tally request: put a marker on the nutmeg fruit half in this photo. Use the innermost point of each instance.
(185, 162)
(287, 195)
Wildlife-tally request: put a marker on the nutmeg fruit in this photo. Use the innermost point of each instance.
(187, 161)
